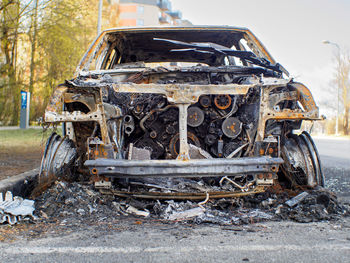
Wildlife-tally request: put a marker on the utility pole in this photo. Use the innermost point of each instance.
(338, 58)
(99, 17)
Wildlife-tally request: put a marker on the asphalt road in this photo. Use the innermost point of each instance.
(334, 152)
(268, 242)
(335, 159)
(135, 241)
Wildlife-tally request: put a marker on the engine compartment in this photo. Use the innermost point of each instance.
(217, 124)
(221, 126)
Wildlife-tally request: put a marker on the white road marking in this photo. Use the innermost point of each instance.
(128, 250)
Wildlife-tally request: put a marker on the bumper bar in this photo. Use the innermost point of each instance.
(120, 168)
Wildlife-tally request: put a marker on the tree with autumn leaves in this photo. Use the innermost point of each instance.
(42, 42)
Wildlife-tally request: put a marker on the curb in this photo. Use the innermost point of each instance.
(10, 128)
(21, 184)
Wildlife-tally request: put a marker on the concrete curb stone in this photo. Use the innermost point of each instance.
(21, 184)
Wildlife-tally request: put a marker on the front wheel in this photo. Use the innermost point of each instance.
(58, 160)
(302, 165)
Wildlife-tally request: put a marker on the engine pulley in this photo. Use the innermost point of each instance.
(175, 143)
(222, 102)
(231, 127)
(195, 116)
(205, 101)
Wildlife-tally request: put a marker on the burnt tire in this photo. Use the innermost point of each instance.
(58, 156)
(302, 165)
(315, 158)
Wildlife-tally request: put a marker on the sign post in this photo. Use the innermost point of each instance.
(25, 108)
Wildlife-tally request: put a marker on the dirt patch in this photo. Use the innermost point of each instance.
(14, 161)
(21, 150)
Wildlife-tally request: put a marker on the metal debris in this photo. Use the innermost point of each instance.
(133, 210)
(14, 209)
(179, 195)
(297, 199)
(187, 214)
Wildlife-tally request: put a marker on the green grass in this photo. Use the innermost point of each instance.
(23, 138)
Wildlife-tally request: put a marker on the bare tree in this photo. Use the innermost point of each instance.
(343, 81)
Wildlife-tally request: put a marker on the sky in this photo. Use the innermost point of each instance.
(291, 30)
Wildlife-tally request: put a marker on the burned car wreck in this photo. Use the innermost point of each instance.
(176, 113)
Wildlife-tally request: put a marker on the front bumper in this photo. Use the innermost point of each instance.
(120, 168)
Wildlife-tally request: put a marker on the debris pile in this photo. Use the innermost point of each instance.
(14, 209)
(316, 205)
(75, 201)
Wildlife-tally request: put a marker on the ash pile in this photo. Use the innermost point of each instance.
(76, 203)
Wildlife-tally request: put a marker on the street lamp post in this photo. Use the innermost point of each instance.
(99, 18)
(338, 48)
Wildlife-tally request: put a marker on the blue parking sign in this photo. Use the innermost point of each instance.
(23, 99)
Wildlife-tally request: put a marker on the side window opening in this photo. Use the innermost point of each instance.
(111, 59)
(235, 61)
(243, 45)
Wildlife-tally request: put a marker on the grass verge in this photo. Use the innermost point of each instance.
(21, 150)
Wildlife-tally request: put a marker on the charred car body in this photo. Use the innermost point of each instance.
(206, 103)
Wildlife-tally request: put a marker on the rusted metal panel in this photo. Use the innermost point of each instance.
(267, 110)
(182, 196)
(183, 93)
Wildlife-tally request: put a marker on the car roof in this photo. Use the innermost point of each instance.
(216, 34)
(176, 28)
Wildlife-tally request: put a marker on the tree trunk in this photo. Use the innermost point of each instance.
(33, 47)
(9, 33)
(346, 120)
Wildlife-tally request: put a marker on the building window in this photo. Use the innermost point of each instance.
(140, 9)
(140, 22)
